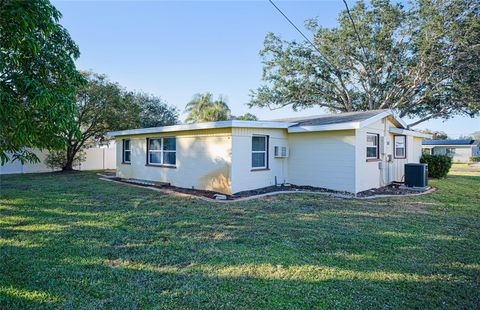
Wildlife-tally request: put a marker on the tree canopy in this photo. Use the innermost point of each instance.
(38, 78)
(422, 61)
(103, 106)
(436, 135)
(154, 112)
(203, 108)
(246, 117)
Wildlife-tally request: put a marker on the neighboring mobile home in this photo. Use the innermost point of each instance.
(460, 150)
(349, 152)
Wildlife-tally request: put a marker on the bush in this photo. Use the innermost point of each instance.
(475, 159)
(58, 159)
(438, 165)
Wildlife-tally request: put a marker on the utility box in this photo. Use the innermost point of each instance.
(416, 175)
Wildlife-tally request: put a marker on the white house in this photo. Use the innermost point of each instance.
(349, 152)
(460, 150)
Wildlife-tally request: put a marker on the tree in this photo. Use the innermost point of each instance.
(246, 117)
(58, 158)
(154, 112)
(202, 108)
(103, 106)
(422, 62)
(38, 78)
(99, 107)
(436, 135)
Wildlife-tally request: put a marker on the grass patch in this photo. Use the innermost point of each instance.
(73, 241)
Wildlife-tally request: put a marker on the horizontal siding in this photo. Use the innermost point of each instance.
(323, 159)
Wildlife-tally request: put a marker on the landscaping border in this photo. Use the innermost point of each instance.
(331, 194)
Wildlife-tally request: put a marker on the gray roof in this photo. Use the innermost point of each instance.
(448, 142)
(328, 119)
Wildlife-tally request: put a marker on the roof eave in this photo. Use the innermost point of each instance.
(200, 126)
(407, 132)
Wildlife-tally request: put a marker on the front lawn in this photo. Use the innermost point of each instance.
(74, 241)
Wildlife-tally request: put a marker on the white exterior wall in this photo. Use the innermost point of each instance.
(378, 173)
(243, 178)
(203, 160)
(323, 159)
(368, 174)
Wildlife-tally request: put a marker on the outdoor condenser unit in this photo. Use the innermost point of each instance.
(416, 175)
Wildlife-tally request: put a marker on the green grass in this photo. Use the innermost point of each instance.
(73, 241)
(457, 166)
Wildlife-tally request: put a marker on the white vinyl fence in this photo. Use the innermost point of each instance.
(97, 158)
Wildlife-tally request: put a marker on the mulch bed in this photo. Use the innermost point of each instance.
(284, 188)
(189, 191)
(392, 189)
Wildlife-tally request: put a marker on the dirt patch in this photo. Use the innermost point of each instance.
(392, 189)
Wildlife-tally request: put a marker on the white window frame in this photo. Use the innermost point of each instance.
(404, 146)
(124, 150)
(258, 152)
(377, 146)
(161, 151)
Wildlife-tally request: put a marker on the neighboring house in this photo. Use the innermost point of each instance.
(349, 152)
(96, 158)
(459, 150)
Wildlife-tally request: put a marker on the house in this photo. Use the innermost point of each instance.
(349, 152)
(460, 150)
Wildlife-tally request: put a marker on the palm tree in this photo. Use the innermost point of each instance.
(202, 108)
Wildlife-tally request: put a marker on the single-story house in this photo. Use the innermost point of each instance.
(349, 152)
(460, 150)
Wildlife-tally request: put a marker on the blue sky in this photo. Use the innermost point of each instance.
(174, 49)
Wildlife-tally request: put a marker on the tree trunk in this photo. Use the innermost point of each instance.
(70, 157)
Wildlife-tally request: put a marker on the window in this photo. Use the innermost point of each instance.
(260, 152)
(372, 146)
(400, 146)
(126, 151)
(162, 151)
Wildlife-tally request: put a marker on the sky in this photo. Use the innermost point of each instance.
(175, 49)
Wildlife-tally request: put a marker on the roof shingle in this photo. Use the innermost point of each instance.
(328, 119)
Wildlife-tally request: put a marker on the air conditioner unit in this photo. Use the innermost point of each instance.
(280, 151)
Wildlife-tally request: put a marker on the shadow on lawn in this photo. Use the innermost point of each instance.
(97, 247)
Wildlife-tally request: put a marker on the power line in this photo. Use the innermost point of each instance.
(294, 26)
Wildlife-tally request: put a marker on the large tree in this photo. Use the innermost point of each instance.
(38, 78)
(154, 112)
(203, 108)
(103, 106)
(423, 61)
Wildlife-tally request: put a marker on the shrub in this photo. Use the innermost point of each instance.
(438, 165)
(58, 159)
(475, 159)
